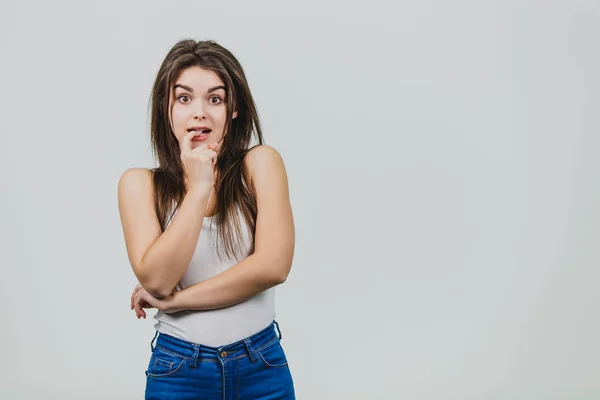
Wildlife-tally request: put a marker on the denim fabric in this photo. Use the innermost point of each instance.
(254, 368)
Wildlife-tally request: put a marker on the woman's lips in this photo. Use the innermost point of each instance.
(200, 137)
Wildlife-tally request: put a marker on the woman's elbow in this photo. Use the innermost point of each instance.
(281, 271)
(155, 288)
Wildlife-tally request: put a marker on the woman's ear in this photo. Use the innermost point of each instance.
(234, 115)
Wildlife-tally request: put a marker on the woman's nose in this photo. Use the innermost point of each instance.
(199, 113)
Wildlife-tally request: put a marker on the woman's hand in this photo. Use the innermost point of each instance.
(199, 163)
(141, 299)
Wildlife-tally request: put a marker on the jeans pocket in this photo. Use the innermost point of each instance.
(273, 355)
(163, 364)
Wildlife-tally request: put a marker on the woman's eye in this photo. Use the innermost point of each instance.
(184, 96)
(215, 100)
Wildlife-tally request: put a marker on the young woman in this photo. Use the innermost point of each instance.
(209, 234)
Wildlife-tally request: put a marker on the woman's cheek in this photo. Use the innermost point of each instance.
(178, 121)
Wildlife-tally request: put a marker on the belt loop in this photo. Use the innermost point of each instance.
(249, 348)
(195, 357)
(152, 342)
(278, 330)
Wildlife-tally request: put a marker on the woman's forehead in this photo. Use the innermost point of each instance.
(199, 79)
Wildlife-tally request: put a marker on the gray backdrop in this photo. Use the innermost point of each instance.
(443, 169)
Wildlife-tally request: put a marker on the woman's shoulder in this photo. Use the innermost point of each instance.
(135, 181)
(136, 176)
(261, 157)
(264, 164)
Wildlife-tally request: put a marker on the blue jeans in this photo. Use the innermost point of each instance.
(253, 368)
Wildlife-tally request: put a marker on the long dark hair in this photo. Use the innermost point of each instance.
(232, 187)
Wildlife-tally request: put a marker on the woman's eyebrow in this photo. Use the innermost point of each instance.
(189, 89)
(212, 89)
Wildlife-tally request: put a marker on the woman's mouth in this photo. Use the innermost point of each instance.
(202, 133)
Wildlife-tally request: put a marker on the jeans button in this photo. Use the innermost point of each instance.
(223, 354)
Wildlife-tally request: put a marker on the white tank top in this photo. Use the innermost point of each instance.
(225, 325)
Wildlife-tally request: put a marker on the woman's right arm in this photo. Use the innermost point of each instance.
(159, 260)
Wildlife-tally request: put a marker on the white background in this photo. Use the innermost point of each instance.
(443, 167)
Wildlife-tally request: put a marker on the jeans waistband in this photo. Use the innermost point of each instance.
(198, 351)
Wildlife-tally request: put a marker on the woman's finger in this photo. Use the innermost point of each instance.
(135, 290)
(132, 298)
(144, 304)
(215, 147)
(219, 145)
(138, 307)
(186, 143)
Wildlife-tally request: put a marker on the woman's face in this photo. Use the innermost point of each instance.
(198, 102)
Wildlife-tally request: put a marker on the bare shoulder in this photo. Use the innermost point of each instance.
(274, 236)
(138, 215)
(263, 161)
(268, 178)
(139, 175)
(135, 187)
(135, 180)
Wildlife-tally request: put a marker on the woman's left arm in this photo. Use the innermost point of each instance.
(271, 261)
